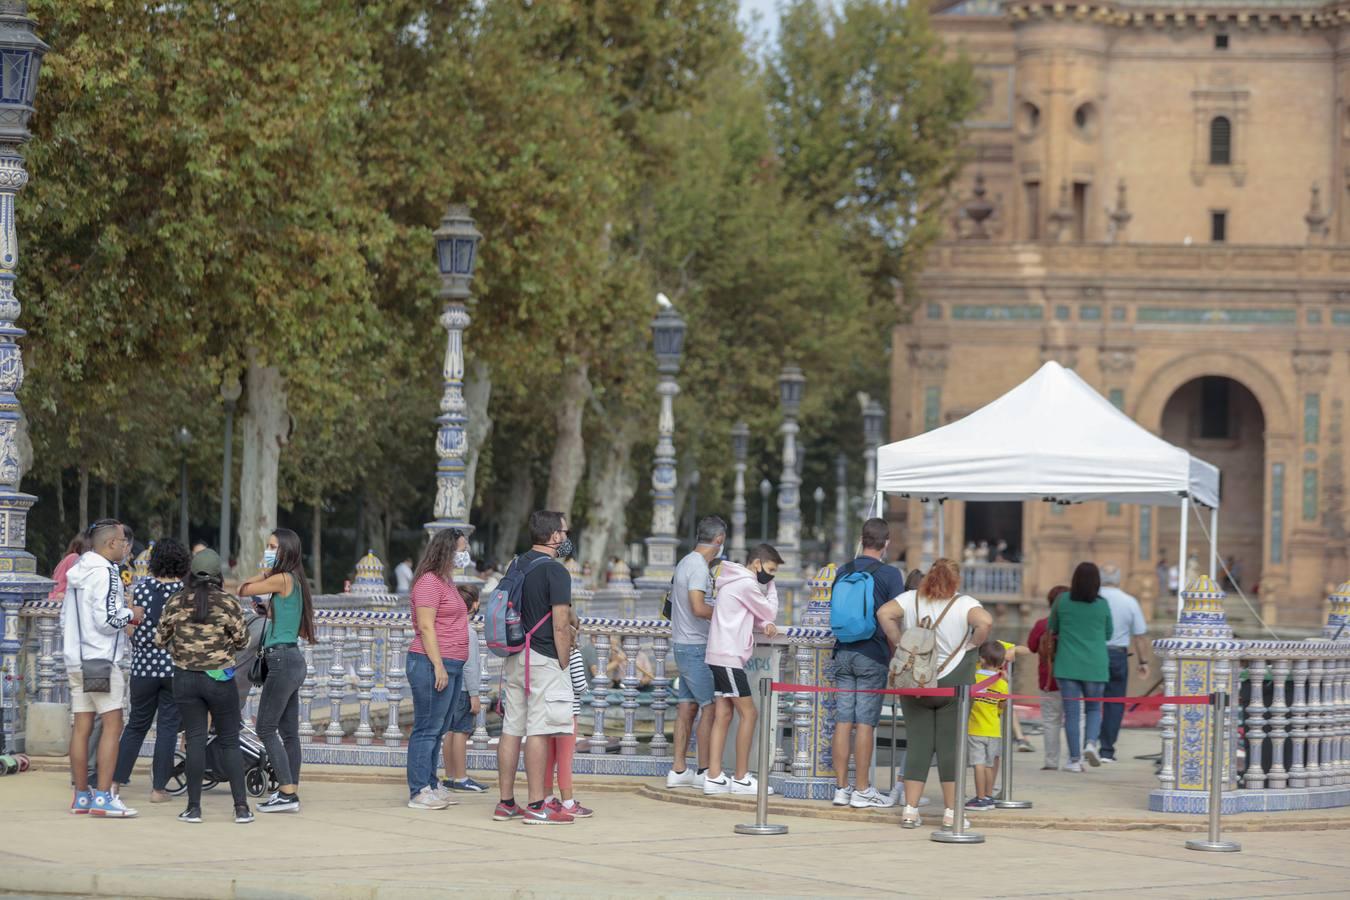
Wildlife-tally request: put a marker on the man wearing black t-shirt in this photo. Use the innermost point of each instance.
(546, 707)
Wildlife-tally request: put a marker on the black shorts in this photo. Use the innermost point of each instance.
(729, 682)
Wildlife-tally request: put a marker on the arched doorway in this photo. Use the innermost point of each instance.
(1219, 420)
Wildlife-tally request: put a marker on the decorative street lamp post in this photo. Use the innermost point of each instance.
(456, 252)
(791, 383)
(184, 439)
(873, 418)
(841, 548)
(230, 392)
(765, 489)
(740, 443)
(21, 55)
(668, 341)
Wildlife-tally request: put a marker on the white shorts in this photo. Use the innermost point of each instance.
(548, 708)
(113, 701)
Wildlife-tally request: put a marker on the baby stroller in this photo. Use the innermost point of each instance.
(259, 777)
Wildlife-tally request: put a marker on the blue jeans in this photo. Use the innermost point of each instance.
(857, 671)
(432, 712)
(1114, 713)
(1073, 693)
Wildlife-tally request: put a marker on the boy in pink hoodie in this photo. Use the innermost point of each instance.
(746, 602)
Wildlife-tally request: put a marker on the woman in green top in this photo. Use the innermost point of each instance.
(290, 616)
(1081, 623)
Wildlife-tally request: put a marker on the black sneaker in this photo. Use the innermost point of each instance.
(192, 814)
(281, 803)
(242, 814)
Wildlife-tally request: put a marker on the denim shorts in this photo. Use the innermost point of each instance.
(461, 719)
(856, 671)
(696, 680)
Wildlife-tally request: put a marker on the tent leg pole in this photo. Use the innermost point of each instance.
(942, 533)
(1214, 544)
(1181, 551)
(880, 501)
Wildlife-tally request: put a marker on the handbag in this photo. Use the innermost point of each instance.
(257, 670)
(95, 674)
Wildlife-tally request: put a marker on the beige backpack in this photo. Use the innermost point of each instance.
(915, 663)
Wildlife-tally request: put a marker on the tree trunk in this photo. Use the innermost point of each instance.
(61, 500)
(84, 497)
(477, 394)
(23, 449)
(569, 451)
(612, 483)
(316, 545)
(377, 532)
(515, 509)
(103, 500)
(266, 428)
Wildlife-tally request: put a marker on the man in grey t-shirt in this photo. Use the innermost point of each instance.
(690, 614)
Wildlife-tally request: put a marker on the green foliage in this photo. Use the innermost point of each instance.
(205, 187)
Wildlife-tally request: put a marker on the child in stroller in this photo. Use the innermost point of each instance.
(259, 778)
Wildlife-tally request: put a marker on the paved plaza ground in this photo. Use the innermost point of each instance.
(356, 839)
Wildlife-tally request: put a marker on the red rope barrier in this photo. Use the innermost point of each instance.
(1193, 700)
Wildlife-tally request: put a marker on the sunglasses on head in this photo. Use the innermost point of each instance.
(99, 525)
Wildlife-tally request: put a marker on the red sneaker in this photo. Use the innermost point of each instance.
(504, 813)
(548, 814)
(577, 811)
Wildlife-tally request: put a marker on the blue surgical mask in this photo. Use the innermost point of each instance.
(270, 558)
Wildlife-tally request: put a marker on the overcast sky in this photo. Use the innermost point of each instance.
(768, 14)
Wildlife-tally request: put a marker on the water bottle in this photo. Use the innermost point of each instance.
(515, 632)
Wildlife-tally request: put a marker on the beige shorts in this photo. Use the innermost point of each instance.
(80, 702)
(548, 708)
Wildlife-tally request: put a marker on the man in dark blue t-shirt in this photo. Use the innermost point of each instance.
(863, 665)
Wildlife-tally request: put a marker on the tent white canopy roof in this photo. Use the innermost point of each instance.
(1052, 437)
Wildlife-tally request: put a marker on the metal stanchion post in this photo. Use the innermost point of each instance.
(1005, 795)
(1215, 842)
(761, 825)
(958, 833)
(896, 790)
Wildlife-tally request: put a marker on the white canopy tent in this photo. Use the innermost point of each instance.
(1052, 438)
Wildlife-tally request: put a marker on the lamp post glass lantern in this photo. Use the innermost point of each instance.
(668, 331)
(457, 241)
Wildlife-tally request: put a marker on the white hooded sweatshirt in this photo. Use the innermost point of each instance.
(94, 595)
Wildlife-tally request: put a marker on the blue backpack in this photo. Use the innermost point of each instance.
(502, 630)
(853, 606)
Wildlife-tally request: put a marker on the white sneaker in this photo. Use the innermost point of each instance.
(688, 778)
(949, 820)
(749, 786)
(719, 785)
(443, 794)
(870, 799)
(1092, 754)
(1074, 766)
(427, 799)
(909, 817)
(842, 796)
(1108, 760)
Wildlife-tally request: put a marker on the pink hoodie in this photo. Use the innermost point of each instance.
(741, 607)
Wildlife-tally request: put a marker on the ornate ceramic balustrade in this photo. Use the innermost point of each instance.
(1289, 729)
(986, 580)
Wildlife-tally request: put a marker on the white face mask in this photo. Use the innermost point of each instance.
(463, 560)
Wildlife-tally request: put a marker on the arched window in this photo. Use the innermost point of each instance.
(1220, 141)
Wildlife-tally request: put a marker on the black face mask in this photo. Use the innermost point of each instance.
(566, 548)
(764, 577)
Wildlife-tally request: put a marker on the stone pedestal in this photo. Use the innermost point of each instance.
(806, 660)
(1199, 658)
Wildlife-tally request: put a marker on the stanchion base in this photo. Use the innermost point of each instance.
(943, 836)
(1214, 846)
(761, 829)
(1012, 804)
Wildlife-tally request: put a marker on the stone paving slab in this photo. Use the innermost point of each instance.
(356, 840)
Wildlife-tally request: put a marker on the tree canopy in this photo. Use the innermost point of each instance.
(214, 184)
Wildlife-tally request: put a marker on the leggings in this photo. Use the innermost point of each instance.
(932, 726)
(561, 749)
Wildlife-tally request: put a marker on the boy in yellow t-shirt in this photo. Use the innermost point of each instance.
(985, 733)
